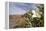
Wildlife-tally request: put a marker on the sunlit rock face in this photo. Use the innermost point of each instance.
(36, 13)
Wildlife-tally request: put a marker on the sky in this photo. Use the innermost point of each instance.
(20, 8)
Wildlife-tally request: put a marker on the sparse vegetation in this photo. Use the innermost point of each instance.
(27, 21)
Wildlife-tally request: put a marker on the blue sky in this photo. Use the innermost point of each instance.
(20, 8)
